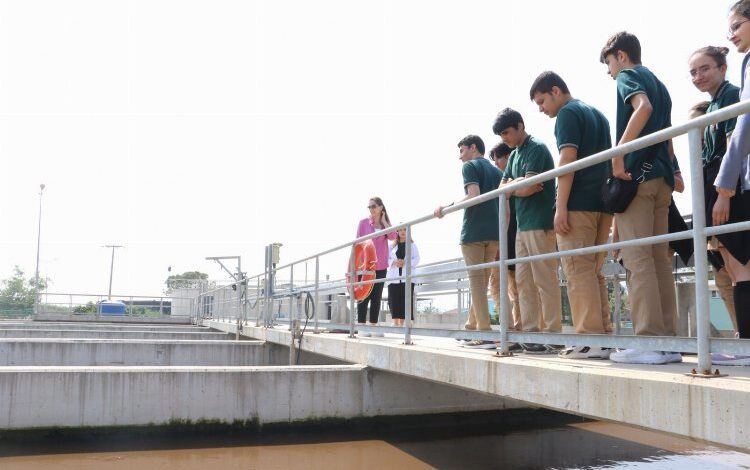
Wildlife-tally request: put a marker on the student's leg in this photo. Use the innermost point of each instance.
(482, 310)
(638, 222)
(663, 260)
(725, 288)
(376, 296)
(515, 308)
(741, 274)
(362, 310)
(528, 295)
(602, 236)
(585, 300)
(545, 279)
(494, 286)
(474, 254)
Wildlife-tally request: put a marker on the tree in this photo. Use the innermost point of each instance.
(17, 293)
(185, 280)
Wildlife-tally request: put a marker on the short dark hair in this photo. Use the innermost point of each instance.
(472, 139)
(741, 8)
(701, 107)
(625, 42)
(717, 53)
(507, 118)
(544, 83)
(500, 150)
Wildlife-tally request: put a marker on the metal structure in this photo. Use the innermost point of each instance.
(111, 267)
(703, 344)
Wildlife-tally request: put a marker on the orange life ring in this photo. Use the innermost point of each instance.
(365, 261)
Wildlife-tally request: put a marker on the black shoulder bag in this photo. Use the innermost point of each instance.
(617, 194)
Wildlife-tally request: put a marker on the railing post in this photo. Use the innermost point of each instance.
(291, 297)
(316, 305)
(618, 303)
(409, 311)
(352, 306)
(504, 306)
(702, 314)
(257, 302)
(460, 302)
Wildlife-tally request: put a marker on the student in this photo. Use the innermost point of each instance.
(479, 232)
(721, 277)
(644, 107)
(708, 67)
(378, 220)
(397, 268)
(537, 281)
(499, 154)
(733, 188)
(580, 220)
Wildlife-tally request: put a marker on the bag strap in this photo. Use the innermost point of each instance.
(648, 165)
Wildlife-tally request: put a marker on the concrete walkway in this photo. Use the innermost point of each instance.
(656, 397)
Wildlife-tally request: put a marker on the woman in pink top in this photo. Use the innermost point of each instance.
(378, 220)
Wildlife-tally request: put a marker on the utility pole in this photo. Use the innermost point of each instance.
(111, 267)
(38, 241)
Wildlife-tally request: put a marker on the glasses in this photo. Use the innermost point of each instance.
(701, 70)
(733, 28)
(372, 207)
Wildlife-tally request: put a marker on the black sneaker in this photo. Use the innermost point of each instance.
(534, 348)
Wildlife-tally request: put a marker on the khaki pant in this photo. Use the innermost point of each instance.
(537, 282)
(587, 288)
(724, 286)
(653, 303)
(512, 296)
(478, 253)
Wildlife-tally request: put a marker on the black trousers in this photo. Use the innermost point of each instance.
(373, 300)
(397, 300)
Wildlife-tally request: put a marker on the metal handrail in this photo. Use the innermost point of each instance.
(699, 232)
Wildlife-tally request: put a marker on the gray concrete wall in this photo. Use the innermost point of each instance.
(109, 334)
(32, 325)
(41, 397)
(164, 319)
(88, 352)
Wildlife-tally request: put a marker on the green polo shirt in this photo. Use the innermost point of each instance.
(715, 135)
(631, 82)
(481, 221)
(586, 129)
(536, 212)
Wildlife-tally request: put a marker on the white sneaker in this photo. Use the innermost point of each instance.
(729, 360)
(639, 356)
(584, 352)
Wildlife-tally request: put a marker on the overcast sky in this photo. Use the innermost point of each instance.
(191, 128)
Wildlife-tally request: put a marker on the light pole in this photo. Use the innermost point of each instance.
(111, 268)
(38, 240)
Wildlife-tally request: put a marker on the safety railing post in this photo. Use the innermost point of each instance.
(408, 293)
(460, 303)
(353, 279)
(703, 319)
(316, 305)
(504, 306)
(291, 298)
(618, 303)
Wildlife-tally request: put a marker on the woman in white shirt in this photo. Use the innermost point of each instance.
(397, 268)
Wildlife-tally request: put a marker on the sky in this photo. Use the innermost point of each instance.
(193, 128)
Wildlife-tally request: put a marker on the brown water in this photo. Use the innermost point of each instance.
(590, 445)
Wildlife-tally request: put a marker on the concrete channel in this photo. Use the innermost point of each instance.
(101, 377)
(662, 398)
